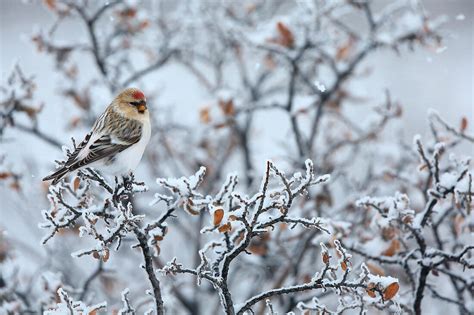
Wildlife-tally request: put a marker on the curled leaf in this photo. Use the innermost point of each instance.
(371, 289)
(325, 258)
(225, 228)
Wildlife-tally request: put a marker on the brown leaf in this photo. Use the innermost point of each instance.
(285, 35)
(218, 215)
(15, 186)
(51, 4)
(189, 208)
(392, 249)
(74, 122)
(375, 269)
(343, 265)
(371, 289)
(269, 62)
(205, 115)
(106, 255)
(391, 291)
(225, 228)
(325, 258)
(463, 124)
(5, 175)
(76, 183)
(128, 13)
(227, 107)
(344, 50)
(95, 254)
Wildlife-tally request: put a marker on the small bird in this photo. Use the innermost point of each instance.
(117, 140)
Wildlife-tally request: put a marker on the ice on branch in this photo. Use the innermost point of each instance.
(67, 305)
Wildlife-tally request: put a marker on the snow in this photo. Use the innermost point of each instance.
(384, 281)
(448, 180)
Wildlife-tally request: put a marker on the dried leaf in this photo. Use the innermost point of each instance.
(392, 249)
(375, 269)
(371, 289)
(325, 258)
(5, 175)
(218, 215)
(95, 254)
(15, 186)
(205, 115)
(269, 62)
(227, 107)
(225, 228)
(343, 265)
(343, 52)
(106, 255)
(51, 4)
(464, 122)
(76, 183)
(391, 291)
(285, 35)
(189, 208)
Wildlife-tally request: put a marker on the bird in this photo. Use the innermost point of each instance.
(117, 140)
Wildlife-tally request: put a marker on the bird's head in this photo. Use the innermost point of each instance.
(132, 102)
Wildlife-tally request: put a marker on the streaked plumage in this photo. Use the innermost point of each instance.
(117, 140)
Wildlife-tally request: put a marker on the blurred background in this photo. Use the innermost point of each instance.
(439, 77)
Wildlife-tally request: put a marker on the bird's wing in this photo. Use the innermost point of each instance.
(104, 146)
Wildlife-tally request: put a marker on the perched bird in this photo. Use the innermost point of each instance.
(117, 140)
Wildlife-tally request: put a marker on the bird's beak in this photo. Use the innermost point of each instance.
(142, 107)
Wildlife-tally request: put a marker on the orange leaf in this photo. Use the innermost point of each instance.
(371, 289)
(344, 51)
(375, 269)
(51, 4)
(392, 249)
(343, 265)
(205, 115)
(218, 215)
(225, 228)
(391, 291)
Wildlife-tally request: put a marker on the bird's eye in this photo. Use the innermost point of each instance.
(135, 103)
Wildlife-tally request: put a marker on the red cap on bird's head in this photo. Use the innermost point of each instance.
(138, 95)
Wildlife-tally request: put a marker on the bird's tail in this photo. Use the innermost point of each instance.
(56, 176)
